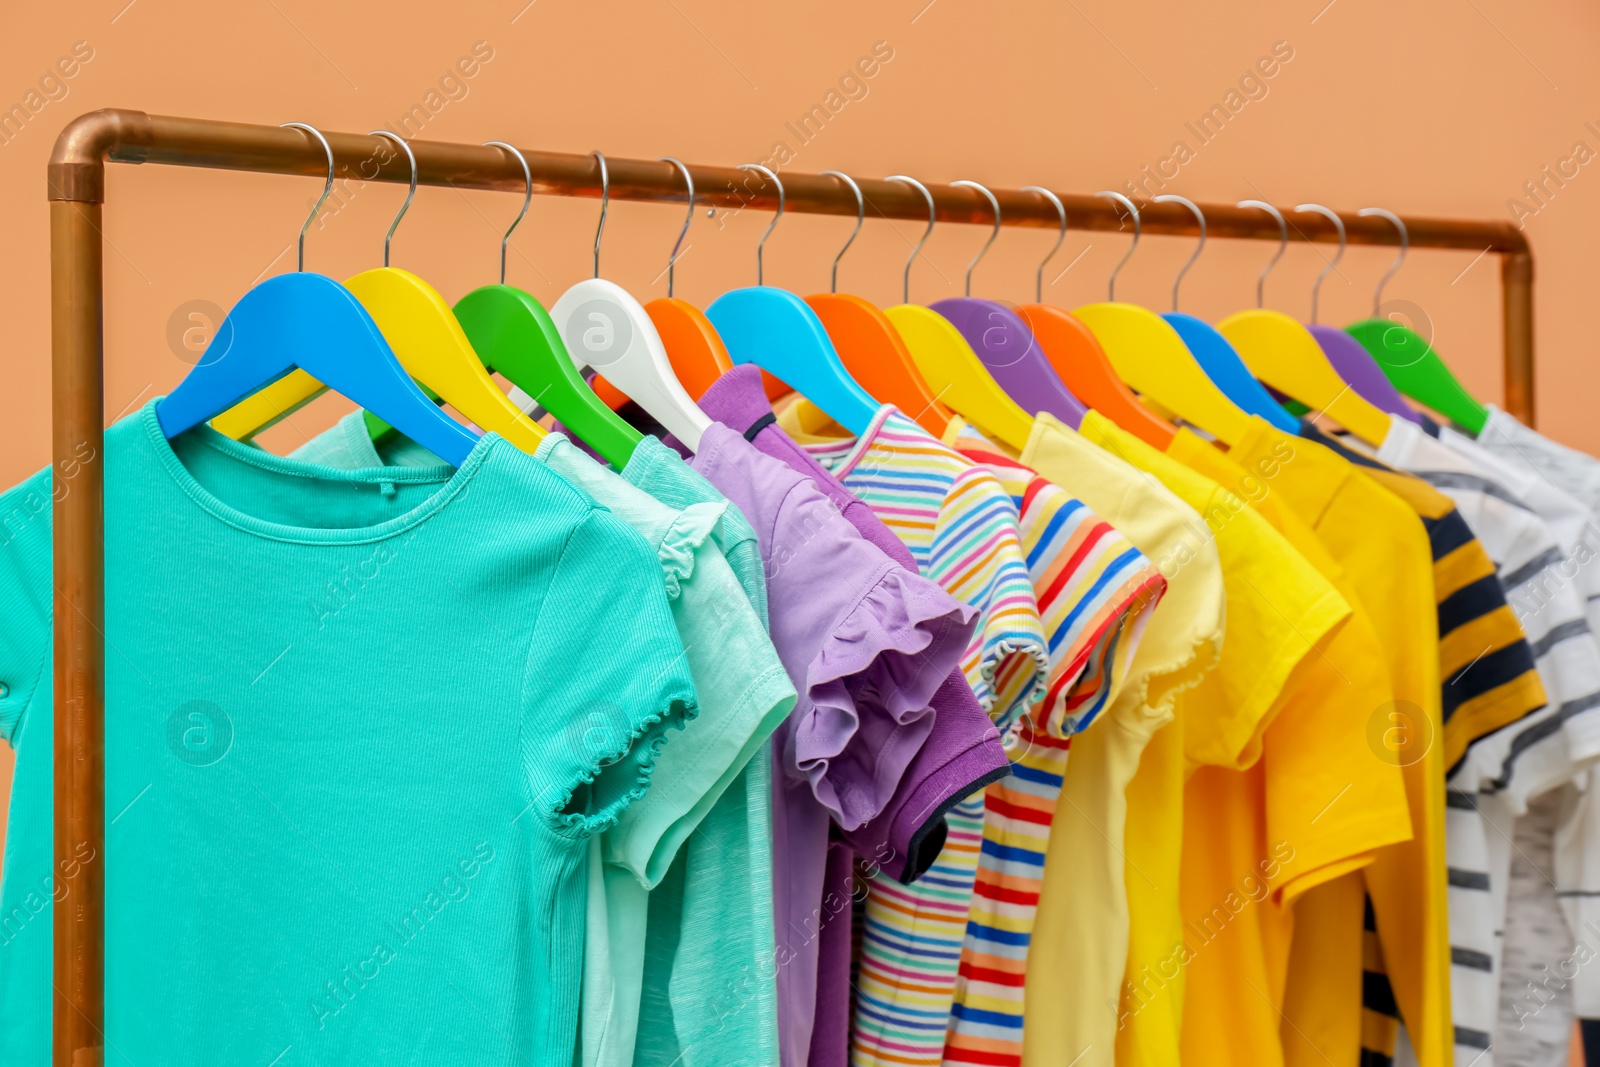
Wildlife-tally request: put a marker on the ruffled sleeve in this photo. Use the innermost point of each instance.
(869, 687)
(683, 539)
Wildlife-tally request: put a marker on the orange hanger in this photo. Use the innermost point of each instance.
(871, 348)
(1077, 356)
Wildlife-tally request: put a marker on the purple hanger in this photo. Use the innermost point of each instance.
(1356, 366)
(1008, 351)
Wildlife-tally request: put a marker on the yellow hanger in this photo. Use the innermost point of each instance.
(1148, 354)
(426, 337)
(949, 367)
(1283, 354)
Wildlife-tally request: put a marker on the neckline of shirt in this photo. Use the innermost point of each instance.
(239, 452)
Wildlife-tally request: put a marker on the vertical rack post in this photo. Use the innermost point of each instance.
(1516, 294)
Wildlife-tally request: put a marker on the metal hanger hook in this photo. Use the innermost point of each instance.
(1405, 243)
(1283, 243)
(688, 179)
(861, 214)
(1038, 281)
(905, 284)
(1338, 224)
(605, 205)
(994, 203)
(300, 248)
(410, 194)
(761, 244)
(1201, 247)
(1111, 286)
(527, 198)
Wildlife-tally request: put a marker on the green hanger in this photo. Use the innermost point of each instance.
(1408, 360)
(515, 337)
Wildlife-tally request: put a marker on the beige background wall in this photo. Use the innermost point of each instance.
(1440, 107)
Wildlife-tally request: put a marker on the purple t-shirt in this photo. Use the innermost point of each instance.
(867, 642)
(962, 754)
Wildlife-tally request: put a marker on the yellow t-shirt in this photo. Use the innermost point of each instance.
(1380, 542)
(1279, 610)
(1080, 940)
(1316, 806)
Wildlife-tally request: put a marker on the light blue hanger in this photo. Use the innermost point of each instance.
(1211, 350)
(778, 332)
(312, 323)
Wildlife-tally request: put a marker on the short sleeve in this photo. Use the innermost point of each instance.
(25, 599)
(977, 555)
(606, 680)
(877, 641)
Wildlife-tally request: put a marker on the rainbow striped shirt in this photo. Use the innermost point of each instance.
(962, 529)
(1096, 592)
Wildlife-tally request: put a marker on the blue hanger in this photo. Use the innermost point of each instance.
(1214, 353)
(778, 332)
(312, 323)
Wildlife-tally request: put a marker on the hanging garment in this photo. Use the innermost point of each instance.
(1280, 612)
(1534, 755)
(962, 755)
(1533, 1025)
(1274, 821)
(744, 695)
(962, 529)
(820, 570)
(1096, 594)
(375, 812)
(1080, 938)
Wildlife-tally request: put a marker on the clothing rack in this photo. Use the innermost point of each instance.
(77, 192)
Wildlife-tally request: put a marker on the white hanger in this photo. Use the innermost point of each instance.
(606, 328)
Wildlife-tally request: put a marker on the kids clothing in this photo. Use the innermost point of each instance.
(390, 809)
(1096, 594)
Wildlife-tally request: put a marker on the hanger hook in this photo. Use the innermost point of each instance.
(1405, 243)
(905, 285)
(773, 178)
(605, 205)
(1111, 287)
(1038, 281)
(410, 194)
(300, 248)
(688, 179)
(861, 214)
(1338, 224)
(1283, 243)
(1201, 247)
(527, 198)
(994, 203)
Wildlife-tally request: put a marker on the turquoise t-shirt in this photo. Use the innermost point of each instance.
(701, 963)
(360, 729)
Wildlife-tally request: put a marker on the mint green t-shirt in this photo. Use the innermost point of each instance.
(700, 839)
(360, 729)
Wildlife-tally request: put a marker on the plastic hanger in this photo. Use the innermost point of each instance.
(696, 351)
(1285, 355)
(947, 363)
(517, 338)
(308, 324)
(778, 332)
(604, 327)
(1149, 355)
(430, 344)
(1077, 357)
(1212, 350)
(1407, 359)
(1005, 345)
(872, 350)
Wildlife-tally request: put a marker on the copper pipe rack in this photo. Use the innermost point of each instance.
(77, 307)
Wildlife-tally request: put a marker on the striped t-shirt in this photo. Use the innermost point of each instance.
(964, 532)
(1096, 592)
